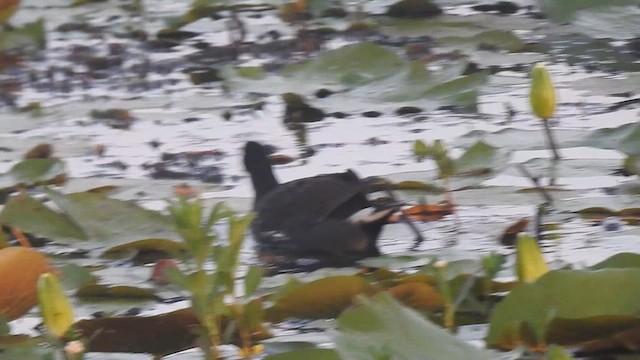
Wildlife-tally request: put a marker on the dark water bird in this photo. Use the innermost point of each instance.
(312, 216)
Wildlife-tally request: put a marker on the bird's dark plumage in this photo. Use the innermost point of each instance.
(310, 216)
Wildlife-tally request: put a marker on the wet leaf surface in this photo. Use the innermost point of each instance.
(365, 329)
(566, 307)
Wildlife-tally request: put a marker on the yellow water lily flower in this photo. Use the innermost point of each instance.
(543, 93)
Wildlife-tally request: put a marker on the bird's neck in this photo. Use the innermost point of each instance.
(263, 180)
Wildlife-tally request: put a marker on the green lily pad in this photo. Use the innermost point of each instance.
(379, 78)
(371, 331)
(481, 158)
(566, 10)
(619, 261)
(567, 307)
(31, 216)
(32, 172)
(112, 220)
(75, 276)
(307, 354)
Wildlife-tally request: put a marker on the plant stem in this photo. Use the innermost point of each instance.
(550, 139)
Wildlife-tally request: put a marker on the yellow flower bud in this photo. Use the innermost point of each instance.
(57, 313)
(530, 264)
(543, 94)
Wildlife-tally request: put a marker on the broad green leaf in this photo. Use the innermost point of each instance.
(252, 280)
(567, 307)
(33, 171)
(530, 264)
(306, 354)
(492, 264)
(74, 276)
(31, 216)
(323, 298)
(565, 10)
(369, 77)
(57, 313)
(630, 144)
(479, 159)
(371, 331)
(420, 150)
(619, 261)
(112, 220)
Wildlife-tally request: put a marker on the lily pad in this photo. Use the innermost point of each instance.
(481, 158)
(383, 81)
(566, 10)
(619, 261)
(370, 331)
(319, 299)
(112, 220)
(31, 216)
(33, 171)
(114, 292)
(307, 354)
(566, 307)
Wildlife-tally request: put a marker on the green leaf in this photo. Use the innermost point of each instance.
(370, 77)
(370, 331)
(252, 280)
(106, 219)
(619, 261)
(567, 307)
(420, 150)
(565, 10)
(32, 172)
(492, 263)
(31, 36)
(307, 354)
(75, 276)
(480, 158)
(31, 216)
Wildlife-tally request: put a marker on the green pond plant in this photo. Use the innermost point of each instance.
(225, 316)
(543, 101)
